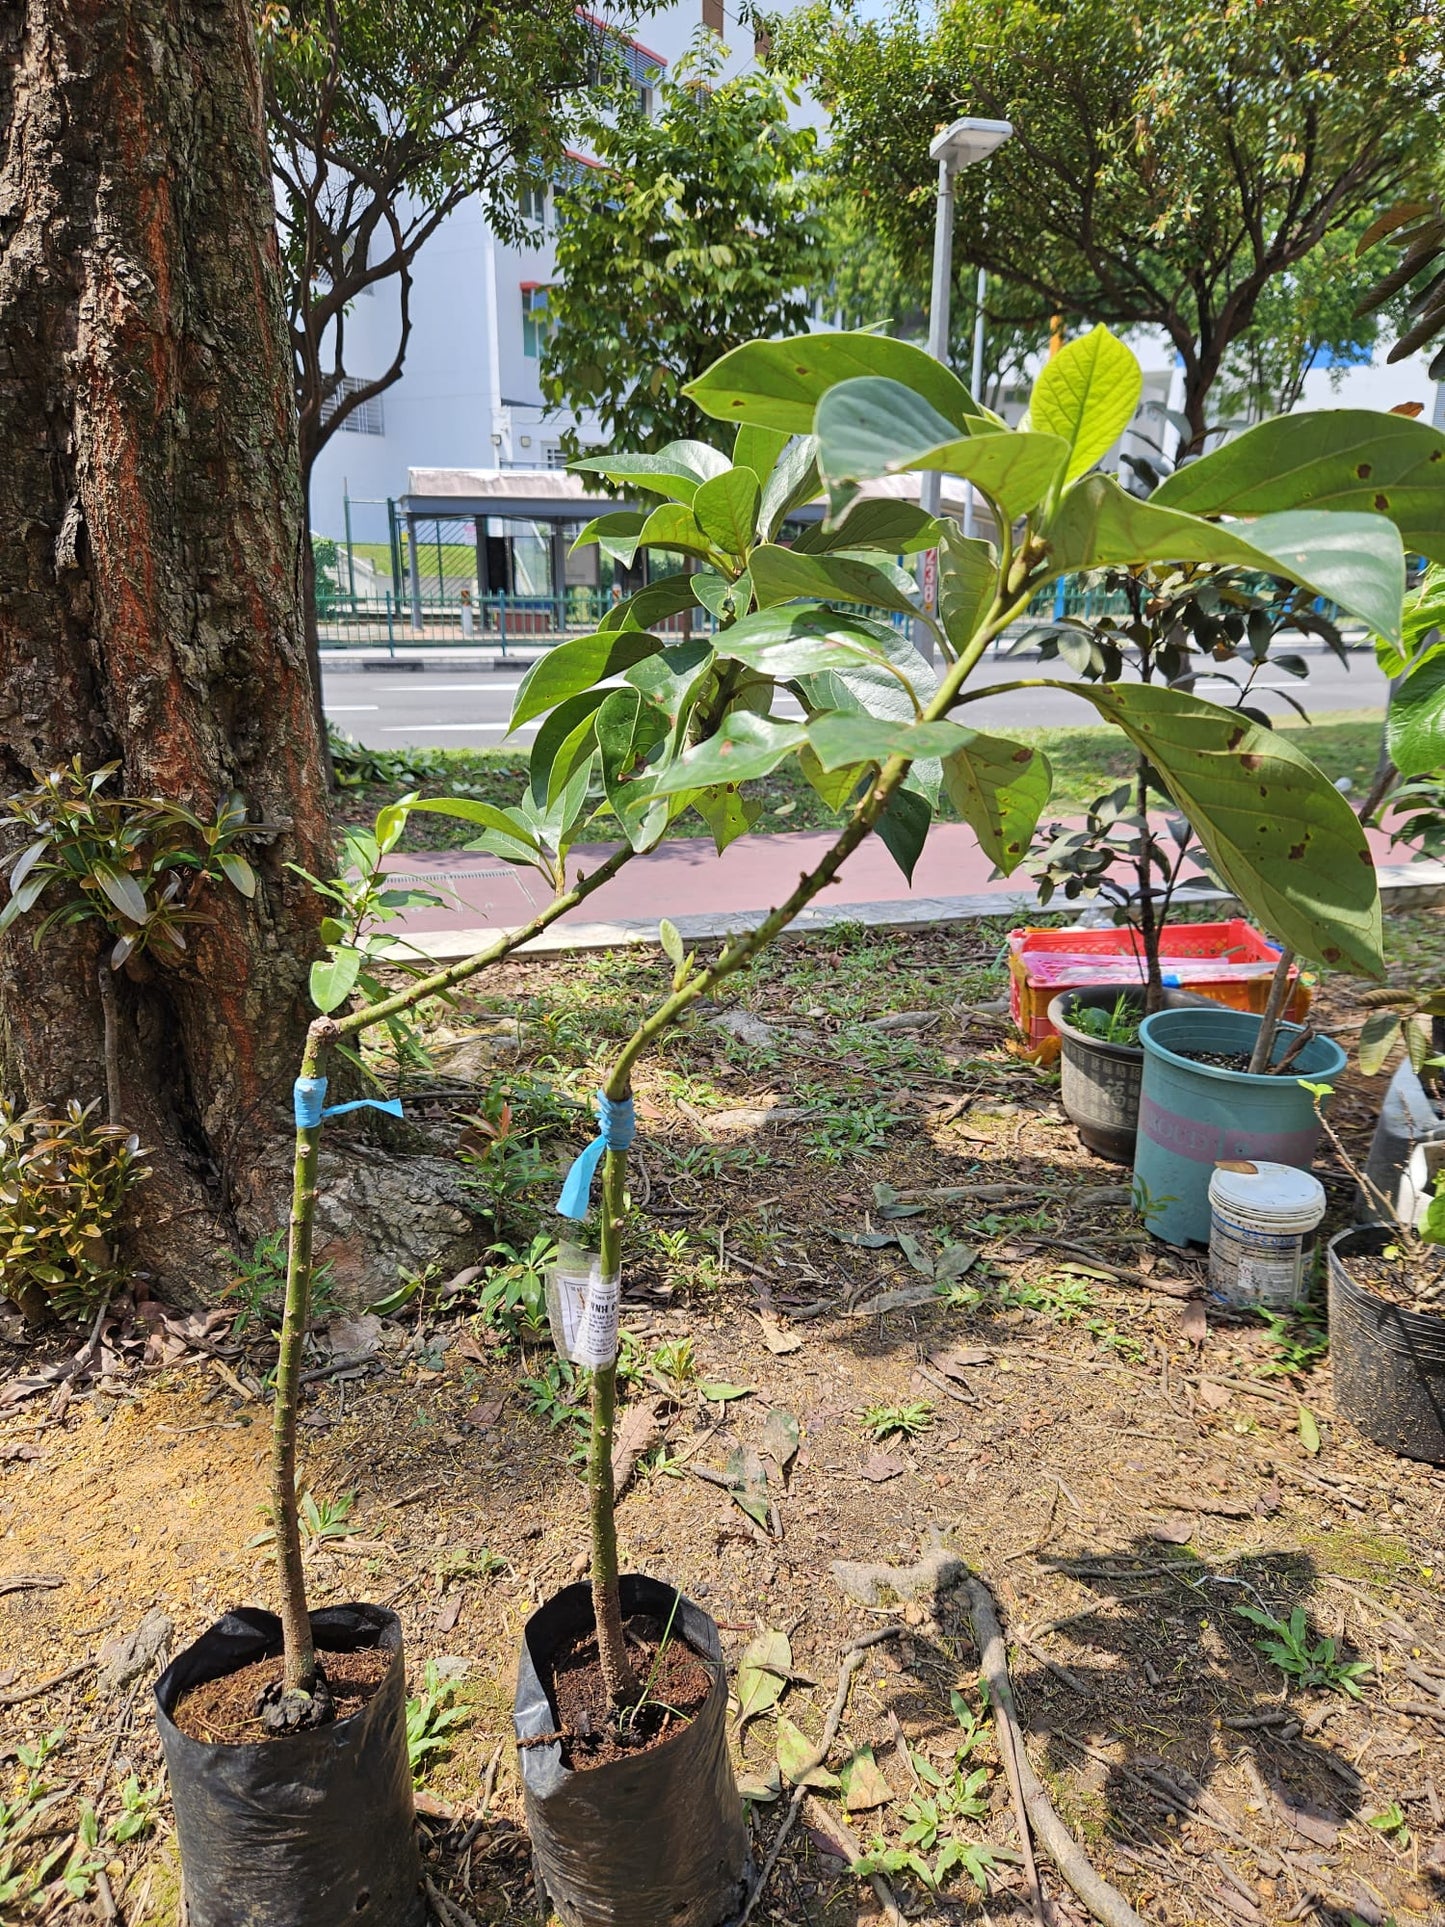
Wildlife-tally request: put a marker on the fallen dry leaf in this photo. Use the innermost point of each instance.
(778, 1340)
(880, 1466)
(1213, 1397)
(1176, 1531)
(1193, 1325)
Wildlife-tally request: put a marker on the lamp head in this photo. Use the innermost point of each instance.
(967, 141)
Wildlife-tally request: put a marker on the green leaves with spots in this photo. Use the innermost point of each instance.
(1335, 458)
(874, 426)
(1355, 560)
(577, 666)
(726, 509)
(778, 384)
(998, 787)
(1087, 395)
(782, 575)
(744, 747)
(1277, 831)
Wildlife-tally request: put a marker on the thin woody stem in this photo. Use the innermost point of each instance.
(1274, 1008)
(300, 1654)
(606, 1600)
(324, 1034)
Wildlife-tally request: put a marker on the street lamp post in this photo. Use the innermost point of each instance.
(953, 147)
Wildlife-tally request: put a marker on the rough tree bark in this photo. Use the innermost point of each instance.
(149, 568)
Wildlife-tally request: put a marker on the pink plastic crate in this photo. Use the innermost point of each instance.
(1231, 962)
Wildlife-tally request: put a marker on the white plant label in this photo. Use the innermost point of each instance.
(582, 1309)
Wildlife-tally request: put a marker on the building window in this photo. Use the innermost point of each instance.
(534, 319)
(365, 419)
(555, 455)
(534, 206)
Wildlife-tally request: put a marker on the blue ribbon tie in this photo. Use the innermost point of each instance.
(616, 1128)
(310, 1100)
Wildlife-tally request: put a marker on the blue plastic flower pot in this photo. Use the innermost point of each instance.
(1192, 1115)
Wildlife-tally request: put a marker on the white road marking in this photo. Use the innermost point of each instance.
(352, 709)
(408, 729)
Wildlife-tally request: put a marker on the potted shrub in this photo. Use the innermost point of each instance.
(280, 1731)
(1133, 850)
(1387, 1315)
(606, 1850)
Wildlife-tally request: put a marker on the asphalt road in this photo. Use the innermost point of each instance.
(444, 705)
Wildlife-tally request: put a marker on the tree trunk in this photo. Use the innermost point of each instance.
(312, 630)
(149, 577)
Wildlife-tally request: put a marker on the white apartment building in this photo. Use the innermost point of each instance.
(469, 396)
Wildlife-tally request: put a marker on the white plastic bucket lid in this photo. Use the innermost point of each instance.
(1272, 1196)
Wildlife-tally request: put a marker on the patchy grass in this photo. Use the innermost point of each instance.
(1086, 762)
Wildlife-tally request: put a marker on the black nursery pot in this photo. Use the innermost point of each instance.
(652, 1841)
(1389, 1363)
(313, 1830)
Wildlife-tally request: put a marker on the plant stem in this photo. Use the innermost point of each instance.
(1273, 1010)
(300, 1655)
(1150, 929)
(500, 948)
(737, 951)
(606, 1599)
(111, 1036)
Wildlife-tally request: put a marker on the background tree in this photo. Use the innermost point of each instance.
(1305, 319)
(149, 613)
(697, 230)
(1167, 163)
(383, 119)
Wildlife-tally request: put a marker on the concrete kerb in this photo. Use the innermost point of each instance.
(1403, 886)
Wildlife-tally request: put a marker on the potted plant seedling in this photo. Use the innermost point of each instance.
(284, 1735)
(1133, 851)
(631, 1807)
(1387, 1307)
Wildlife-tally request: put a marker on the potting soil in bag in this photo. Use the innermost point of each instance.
(315, 1829)
(652, 1839)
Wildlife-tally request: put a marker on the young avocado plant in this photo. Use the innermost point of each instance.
(884, 734)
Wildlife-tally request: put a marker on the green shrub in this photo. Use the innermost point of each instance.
(63, 1181)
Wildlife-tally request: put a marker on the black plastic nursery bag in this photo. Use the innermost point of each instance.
(313, 1830)
(652, 1841)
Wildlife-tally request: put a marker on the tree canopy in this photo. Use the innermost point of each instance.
(697, 229)
(1169, 158)
(382, 121)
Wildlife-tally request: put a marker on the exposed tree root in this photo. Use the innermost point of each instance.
(1104, 1902)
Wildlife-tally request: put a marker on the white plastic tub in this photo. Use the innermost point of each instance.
(1263, 1219)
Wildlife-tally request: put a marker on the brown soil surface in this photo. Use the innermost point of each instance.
(1415, 1286)
(678, 1692)
(1122, 1462)
(223, 1711)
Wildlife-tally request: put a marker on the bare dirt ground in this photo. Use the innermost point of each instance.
(1123, 1465)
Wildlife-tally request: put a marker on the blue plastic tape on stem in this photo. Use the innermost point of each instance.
(311, 1107)
(616, 1128)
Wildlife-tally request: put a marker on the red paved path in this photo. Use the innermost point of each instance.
(686, 877)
